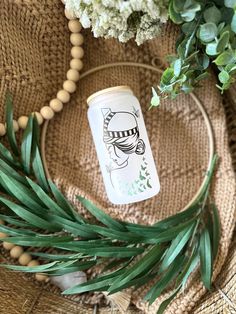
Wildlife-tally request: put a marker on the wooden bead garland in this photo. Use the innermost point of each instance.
(69, 86)
(47, 113)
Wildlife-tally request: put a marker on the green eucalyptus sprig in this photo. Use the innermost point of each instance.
(207, 37)
(38, 215)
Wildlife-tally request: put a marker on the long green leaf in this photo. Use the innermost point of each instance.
(166, 302)
(36, 131)
(206, 258)
(143, 265)
(116, 262)
(13, 220)
(216, 232)
(3, 186)
(188, 267)
(37, 241)
(71, 269)
(62, 201)
(26, 146)
(137, 282)
(9, 125)
(89, 244)
(166, 235)
(26, 215)
(8, 157)
(37, 164)
(151, 237)
(21, 192)
(50, 204)
(75, 228)
(166, 223)
(189, 213)
(38, 169)
(32, 269)
(209, 176)
(118, 235)
(96, 284)
(42, 268)
(165, 280)
(155, 233)
(107, 251)
(100, 215)
(15, 232)
(10, 171)
(192, 266)
(176, 247)
(58, 257)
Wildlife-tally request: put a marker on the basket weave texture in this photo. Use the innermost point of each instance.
(34, 57)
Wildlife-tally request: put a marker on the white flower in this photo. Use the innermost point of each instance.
(121, 19)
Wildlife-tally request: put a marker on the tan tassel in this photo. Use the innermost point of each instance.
(121, 300)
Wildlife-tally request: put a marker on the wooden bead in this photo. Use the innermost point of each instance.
(33, 263)
(74, 26)
(41, 277)
(77, 52)
(2, 222)
(76, 64)
(15, 126)
(69, 86)
(56, 105)
(3, 235)
(38, 117)
(72, 75)
(8, 246)
(76, 39)
(2, 129)
(63, 96)
(69, 15)
(24, 259)
(22, 122)
(47, 113)
(16, 251)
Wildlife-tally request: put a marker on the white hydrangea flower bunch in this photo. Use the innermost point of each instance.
(121, 19)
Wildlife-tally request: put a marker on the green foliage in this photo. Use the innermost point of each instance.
(38, 215)
(207, 36)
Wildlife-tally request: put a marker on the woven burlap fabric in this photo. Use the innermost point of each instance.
(34, 57)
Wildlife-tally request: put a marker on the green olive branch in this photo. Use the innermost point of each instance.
(38, 215)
